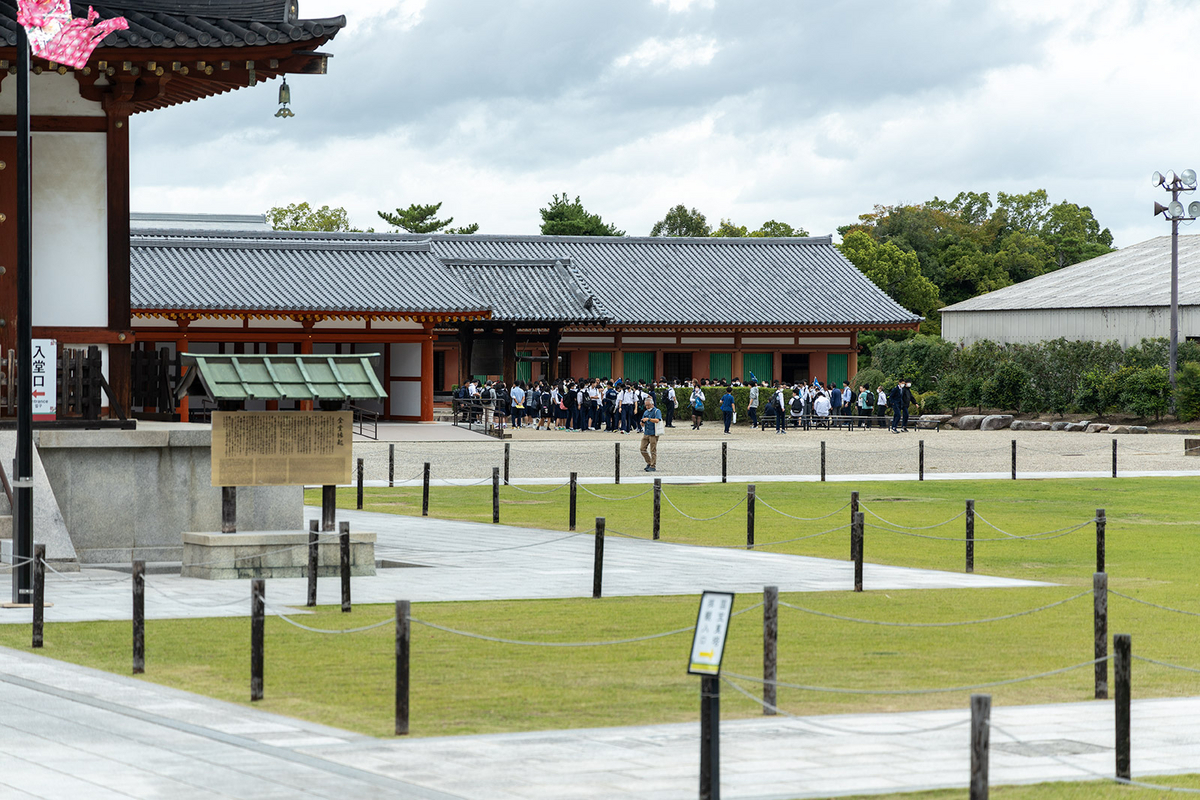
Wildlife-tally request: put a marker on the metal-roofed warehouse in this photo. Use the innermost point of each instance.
(1123, 296)
(443, 308)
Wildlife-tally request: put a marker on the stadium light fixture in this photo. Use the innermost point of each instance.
(1175, 212)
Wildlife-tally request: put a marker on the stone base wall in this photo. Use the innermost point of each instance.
(271, 554)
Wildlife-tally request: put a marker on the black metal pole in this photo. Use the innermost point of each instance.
(571, 517)
(1114, 458)
(921, 460)
(344, 563)
(1122, 663)
(22, 585)
(822, 461)
(598, 560)
(258, 591)
(724, 462)
(139, 617)
(403, 643)
(314, 538)
(970, 536)
(495, 495)
(853, 513)
(39, 592)
(750, 492)
(360, 484)
(425, 492)
(770, 646)
(391, 465)
(1014, 459)
(710, 738)
(617, 462)
(228, 509)
(657, 506)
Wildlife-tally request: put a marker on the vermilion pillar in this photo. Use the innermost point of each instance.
(427, 375)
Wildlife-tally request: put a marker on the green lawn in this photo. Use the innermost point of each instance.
(468, 686)
(1093, 790)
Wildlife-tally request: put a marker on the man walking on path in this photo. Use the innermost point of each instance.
(727, 408)
(651, 421)
(906, 400)
(895, 400)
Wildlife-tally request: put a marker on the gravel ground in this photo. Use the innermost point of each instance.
(553, 455)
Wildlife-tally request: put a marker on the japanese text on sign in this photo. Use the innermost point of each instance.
(281, 448)
(712, 626)
(44, 366)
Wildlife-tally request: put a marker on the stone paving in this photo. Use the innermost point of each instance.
(475, 561)
(69, 732)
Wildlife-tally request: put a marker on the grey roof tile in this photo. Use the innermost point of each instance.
(539, 291)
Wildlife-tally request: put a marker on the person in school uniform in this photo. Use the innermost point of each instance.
(752, 406)
(881, 404)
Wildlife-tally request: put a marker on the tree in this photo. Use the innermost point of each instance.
(302, 217)
(423, 219)
(778, 230)
(562, 217)
(679, 221)
(728, 229)
(895, 271)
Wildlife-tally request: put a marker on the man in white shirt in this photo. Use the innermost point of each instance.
(752, 406)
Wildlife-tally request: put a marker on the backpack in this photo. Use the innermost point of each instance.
(798, 404)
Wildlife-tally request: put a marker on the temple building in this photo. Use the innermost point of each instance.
(440, 309)
(175, 51)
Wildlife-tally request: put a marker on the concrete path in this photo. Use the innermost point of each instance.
(69, 732)
(443, 560)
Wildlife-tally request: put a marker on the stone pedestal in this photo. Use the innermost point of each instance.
(271, 554)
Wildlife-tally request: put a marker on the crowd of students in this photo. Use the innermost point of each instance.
(598, 404)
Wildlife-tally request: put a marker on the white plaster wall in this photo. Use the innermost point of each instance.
(406, 398)
(70, 230)
(50, 94)
(406, 361)
(1127, 325)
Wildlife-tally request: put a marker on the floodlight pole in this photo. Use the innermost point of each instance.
(22, 581)
(1174, 291)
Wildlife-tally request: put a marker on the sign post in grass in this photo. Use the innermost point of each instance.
(708, 648)
(507, 447)
(1014, 459)
(1114, 470)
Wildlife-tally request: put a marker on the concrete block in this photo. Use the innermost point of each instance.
(1029, 425)
(280, 554)
(49, 526)
(969, 422)
(996, 422)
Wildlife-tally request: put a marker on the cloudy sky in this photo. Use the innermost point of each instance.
(805, 112)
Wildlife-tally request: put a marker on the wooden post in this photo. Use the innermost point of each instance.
(1014, 459)
(403, 634)
(770, 647)
(507, 453)
(391, 465)
(970, 536)
(1114, 458)
(425, 491)
(657, 506)
(344, 553)
(314, 539)
(724, 462)
(258, 591)
(981, 713)
(1101, 524)
(822, 461)
(853, 513)
(921, 460)
(856, 535)
(360, 484)
(139, 617)
(1100, 628)
(39, 593)
(617, 464)
(1122, 672)
(750, 517)
(228, 509)
(574, 484)
(710, 738)
(598, 560)
(495, 495)
(328, 508)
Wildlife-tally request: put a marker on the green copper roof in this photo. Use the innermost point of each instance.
(296, 377)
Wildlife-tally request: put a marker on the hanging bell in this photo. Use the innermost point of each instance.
(285, 98)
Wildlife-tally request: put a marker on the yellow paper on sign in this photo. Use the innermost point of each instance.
(282, 448)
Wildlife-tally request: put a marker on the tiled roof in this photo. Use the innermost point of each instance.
(282, 377)
(195, 23)
(1138, 275)
(635, 281)
(537, 291)
(195, 271)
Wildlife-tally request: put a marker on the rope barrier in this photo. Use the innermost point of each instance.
(899, 692)
(934, 624)
(283, 617)
(175, 599)
(603, 497)
(1154, 605)
(1044, 536)
(81, 579)
(1040, 537)
(907, 528)
(759, 499)
(1166, 664)
(828, 727)
(530, 491)
(395, 550)
(523, 643)
(701, 519)
(757, 545)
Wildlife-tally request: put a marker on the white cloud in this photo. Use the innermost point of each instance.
(675, 6)
(680, 53)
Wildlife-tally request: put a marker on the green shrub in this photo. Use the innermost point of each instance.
(1187, 398)
(952, 391)
(1145, 392)
(1007, 387)
(871, 378)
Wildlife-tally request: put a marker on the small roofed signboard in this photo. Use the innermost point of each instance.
(282, 448)
(712, 626)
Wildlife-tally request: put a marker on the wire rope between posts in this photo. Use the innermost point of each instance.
(900, 692)
(826, 726)
(560, 487)
(524, 643)
(604, 497)
(671, 503)
(285, 618)
(89, 581)
(1043, 536)
(175, 599)
(20, 562)
(906, 527)
(757, 545)
(1093, 773)
(935, 624)
(759, 499)
(1179, 667)
(1154, 605)
(395, 550)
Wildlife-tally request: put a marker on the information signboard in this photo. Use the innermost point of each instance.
(282, 448)
(712, 626)
(44, 365)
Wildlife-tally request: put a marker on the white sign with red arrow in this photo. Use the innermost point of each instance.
(45, 379)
